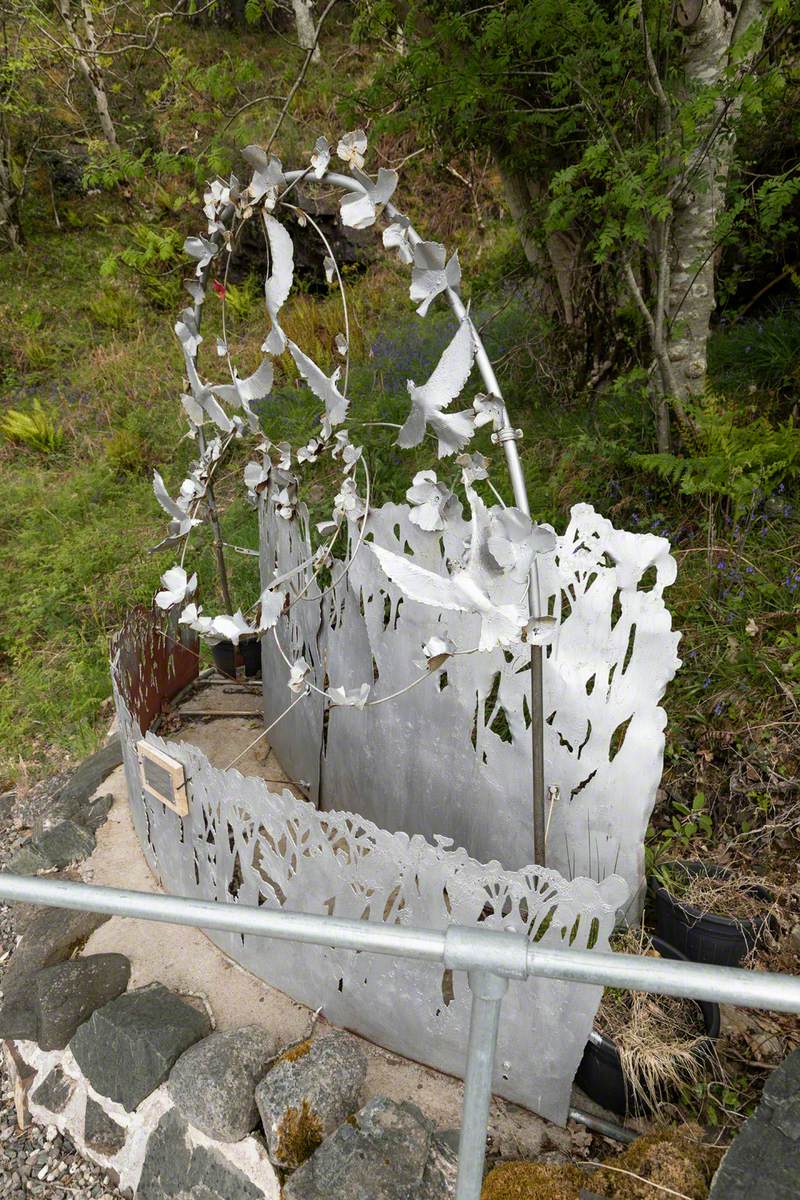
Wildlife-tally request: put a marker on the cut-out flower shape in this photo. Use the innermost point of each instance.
(230, 629)
(330, 268)
(352, 148)
(431, 275)
(256, 478)
(488, 410)
(321, 156)
(434, 503)
(348, 503)
(298, 675)
(395, 237)
(272, 604)
(473, 466)
(310, 452)
(203, 250)
(268, 177)
(177, 586)
(359, 209)
(286, 501)
(513, 541)
(356, 698)
(437, 650)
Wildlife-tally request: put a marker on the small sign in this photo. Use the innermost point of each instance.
(163, 778)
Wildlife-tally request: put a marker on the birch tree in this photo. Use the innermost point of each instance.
(79, 23)
(613, 126)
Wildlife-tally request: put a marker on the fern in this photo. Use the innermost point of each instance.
(731, 461)
(36, 429)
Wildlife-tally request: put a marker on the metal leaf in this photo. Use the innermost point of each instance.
(395, 237)
(177, 586)
(272, 604)
(203, 250)
(298, 674)
(279, 282)
(358, 210)
(445, 383)
(187, 331)
(356, 698)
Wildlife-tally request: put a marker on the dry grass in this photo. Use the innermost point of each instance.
(658, 1037)
(735, 896)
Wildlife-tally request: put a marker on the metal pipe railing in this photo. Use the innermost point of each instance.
(489, 957)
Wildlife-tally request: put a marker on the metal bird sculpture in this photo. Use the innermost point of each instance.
(469, 588)
(446, 382)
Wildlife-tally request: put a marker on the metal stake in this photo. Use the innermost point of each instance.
(488, 991)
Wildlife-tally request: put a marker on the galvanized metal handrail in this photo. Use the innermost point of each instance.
(489, 957)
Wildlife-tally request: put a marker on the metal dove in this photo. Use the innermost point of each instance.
(446, 382)
(323, 386)
(467, 589)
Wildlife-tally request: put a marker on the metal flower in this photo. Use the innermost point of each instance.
(279, 282)
(340, 342)
(256, 478)
(356, 698)
(395, 237)
(430, 275)
(226, 628)
(321, 156)
(488, 410)
(203, 250)
(467, 589)
(437, 650)
(177, 586)
(473, 466)
(358, 210)
(268, 177)
(310, 452)
(298, 674)
(347, 502)
(513, 541)
(286, 501)
(445, 383)
(352, 148)
(434, 502)
(272, 604)
(330, 268)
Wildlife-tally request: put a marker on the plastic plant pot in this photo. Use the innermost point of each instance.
(706, 937)
(232, 660)
(600, 1074)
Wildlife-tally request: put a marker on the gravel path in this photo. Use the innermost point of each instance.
(37, 1161)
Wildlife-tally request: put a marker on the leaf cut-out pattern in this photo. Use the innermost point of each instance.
(442, 761)
(243, 843)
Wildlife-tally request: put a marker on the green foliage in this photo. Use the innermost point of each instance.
(37, 428)
(734, 460)
(156, 258)
(114, 309)
(685, 823)
(762, 354)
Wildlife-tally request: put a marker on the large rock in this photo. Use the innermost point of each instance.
(307, 1094)
(65, 843)
(51, 936)
(28, 860)
(60, 998)
(54, 1092)
(72, 800)
(102, 1133)
(213, 1083)
(381, 1154)
(175, 1168)
(764, 1157)
(128, 1048)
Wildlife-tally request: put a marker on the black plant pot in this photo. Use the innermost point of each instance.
(228, 659)
(600, 1074)
(703, 936)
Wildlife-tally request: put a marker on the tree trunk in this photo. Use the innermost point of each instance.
(701, 200)
(306, 29)
(557, 266)
(88, 60)
(10, 227)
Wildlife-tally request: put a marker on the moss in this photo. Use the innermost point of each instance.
(533, 1181)
(670, 1159)
(299, 1134)
(295, 1052)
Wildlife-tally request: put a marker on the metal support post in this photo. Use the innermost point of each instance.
(488, 991)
